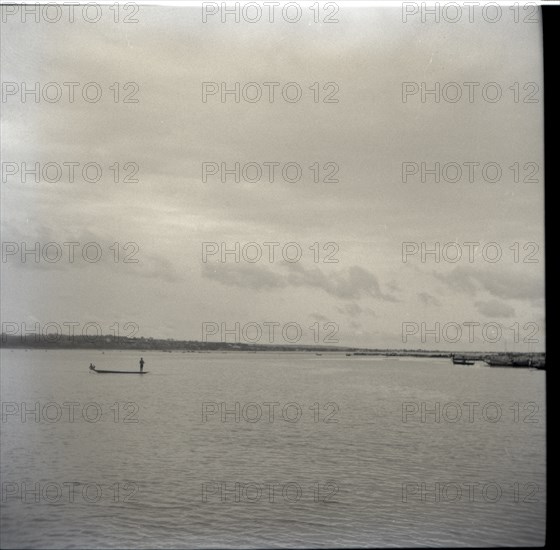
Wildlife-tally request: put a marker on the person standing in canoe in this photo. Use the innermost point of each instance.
(141, 364)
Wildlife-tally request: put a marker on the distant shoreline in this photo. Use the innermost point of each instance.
(110, 342)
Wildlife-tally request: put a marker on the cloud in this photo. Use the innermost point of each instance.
(356, 326)
(244, 276)
(428, 300)
(393, 285)
(503, 284)
(350, 284)
(495, 308)
(46, 248)
(352, 310)
(319, 317)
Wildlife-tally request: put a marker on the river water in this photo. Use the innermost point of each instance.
(270, 450)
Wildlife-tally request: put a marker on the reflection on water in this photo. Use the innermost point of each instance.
(268, 450)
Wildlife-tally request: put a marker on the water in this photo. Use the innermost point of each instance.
(335, 483)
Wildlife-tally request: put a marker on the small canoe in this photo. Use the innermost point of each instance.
(118, 371)
(121, 371)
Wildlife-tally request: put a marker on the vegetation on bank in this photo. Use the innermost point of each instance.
(110, 342)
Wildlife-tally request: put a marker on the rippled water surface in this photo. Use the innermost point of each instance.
(332, 463)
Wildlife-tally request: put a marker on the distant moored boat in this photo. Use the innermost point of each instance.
(461, 360)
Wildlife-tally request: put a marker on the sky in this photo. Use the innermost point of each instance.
(354, 282)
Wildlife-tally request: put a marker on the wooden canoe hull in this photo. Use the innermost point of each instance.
(120, 371)
(100, 371)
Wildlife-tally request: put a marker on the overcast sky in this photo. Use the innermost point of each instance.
(369, 213)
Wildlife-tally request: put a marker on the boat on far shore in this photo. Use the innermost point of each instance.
(507, 360)
(461, 360)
